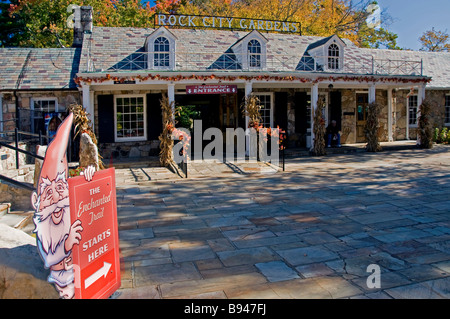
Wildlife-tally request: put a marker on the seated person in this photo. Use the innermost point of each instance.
(333, 134)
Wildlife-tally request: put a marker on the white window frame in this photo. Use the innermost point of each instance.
(408, 107)
(150, 47)
(254, 55)
(447, 109)
(162, 67)
(242, 54)
(272, 105)
(334, 60)
(130, 139)
(40, 99)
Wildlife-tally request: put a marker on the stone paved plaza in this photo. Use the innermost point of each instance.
(247, 231)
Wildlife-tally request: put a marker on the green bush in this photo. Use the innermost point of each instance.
(441, 135)
(436, 137)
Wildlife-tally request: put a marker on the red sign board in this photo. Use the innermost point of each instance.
(96, 257)
(211, 89)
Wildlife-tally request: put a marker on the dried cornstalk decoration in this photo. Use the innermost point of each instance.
(425, 128)
(166, 141)
(84, 125)
(319, 130)
(251, 108)
(371, 127)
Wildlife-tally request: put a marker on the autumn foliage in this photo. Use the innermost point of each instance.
(43, 23)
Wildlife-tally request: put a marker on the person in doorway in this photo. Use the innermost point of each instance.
(333, 134)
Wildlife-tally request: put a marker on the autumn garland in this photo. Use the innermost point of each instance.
(122, 79)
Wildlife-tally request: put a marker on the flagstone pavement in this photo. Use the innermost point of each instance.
(249, 231)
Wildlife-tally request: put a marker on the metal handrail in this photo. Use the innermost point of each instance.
(213, 60)
(16, 183)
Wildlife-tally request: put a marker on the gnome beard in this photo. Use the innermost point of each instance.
(52, 235)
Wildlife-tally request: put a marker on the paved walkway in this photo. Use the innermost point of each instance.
(308, 232)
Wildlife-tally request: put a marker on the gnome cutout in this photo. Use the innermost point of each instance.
(55, 234)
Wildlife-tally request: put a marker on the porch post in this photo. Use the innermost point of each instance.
(88, 102)
(171, 96)
(248, 91)
(389, 118)
(372, 93)
(314, 100)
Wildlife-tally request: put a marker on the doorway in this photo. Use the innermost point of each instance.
(362, 104)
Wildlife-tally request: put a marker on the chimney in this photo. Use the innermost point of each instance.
(82, 23)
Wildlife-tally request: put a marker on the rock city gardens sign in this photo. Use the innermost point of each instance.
(196, 21)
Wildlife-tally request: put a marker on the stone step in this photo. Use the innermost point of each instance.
(4, 208)
(22, 220)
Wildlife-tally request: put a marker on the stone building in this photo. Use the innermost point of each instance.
(119, 75)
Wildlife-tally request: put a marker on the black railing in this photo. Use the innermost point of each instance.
(18, 150)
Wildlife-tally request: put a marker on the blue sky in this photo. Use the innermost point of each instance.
(413, 17)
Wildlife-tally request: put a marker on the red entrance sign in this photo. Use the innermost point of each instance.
(96, 257)
(211, 89)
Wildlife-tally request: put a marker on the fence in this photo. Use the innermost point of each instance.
(189, 61)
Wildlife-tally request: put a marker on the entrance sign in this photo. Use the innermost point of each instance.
(96, 257)
(197, 21)
(211, 89)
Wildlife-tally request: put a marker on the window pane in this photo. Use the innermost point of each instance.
(254, 51)
(130, 117)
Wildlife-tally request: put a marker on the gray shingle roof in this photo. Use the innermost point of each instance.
(38, 68)
(200, 49)
(196, 50)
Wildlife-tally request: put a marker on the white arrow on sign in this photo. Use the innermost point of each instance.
(97, 275)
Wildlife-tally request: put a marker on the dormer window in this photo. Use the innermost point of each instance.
(250, 51)
(161, 57)
(160, 46)
(254, 54)
(327, 54)
(333, 57)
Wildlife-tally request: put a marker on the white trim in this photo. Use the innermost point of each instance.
(150, 47)
(242, 54)
(130, 139)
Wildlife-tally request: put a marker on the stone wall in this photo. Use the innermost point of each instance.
(8, 158)
(124, 150)
(64, 98)
(400, 109)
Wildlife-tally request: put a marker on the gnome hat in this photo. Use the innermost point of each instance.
(55, 160)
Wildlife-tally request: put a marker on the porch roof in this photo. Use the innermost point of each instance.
(111, 49)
